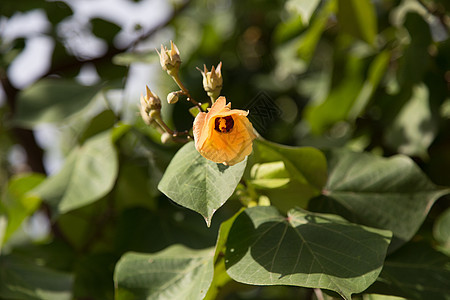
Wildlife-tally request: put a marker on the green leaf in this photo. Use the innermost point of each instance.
(339, 101)
(305, 169)
(376, 71)
(3, 226)
(304, 8)
(88, 174)
(136, 186)
(441, 230)
(414, 128)
(389, 193)
(304, 249)
(21, 279)
(269, 175)
(174, 273)
(309, 40)
(17, 204)
(101, 122)
(199, 184)
(221, 277)
(410, 72)
(93, 275)
(358, 18)
(52, 100)
(140, 230)
(104, 29)
(415, 271)
(194, 110)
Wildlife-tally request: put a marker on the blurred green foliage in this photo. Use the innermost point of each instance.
(358, 80)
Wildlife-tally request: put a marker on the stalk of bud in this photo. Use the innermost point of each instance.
(212, 81)
(170, 59)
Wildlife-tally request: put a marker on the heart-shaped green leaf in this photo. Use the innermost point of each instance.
(199, 184)
(304, 249)
(87, 175)
(389, 193)
(174, 273)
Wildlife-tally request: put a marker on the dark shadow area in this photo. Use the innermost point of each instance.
(315, 247)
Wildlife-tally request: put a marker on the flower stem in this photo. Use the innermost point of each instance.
(185, 91)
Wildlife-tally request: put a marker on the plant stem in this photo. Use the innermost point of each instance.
(185, 91)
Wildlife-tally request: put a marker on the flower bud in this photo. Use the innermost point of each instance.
(150, 104)
(155, 114)
(170, 59)
(145, 115)
(172, 98)
(212, 80)
(150, 101)
(166, 137)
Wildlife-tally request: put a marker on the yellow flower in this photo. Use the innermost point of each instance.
(223, 135)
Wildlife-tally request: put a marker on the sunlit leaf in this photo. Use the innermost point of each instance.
(304, 249)
(17, 204)
(87, 175)
(290, 176)
(357, 17)
(174, 273)
(308, 41)
(199, 184)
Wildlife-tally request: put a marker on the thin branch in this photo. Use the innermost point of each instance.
(438, 14)
(113, 51)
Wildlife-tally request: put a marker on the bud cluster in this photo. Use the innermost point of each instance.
(150, 107)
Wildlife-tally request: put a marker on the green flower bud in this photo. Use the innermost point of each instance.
(170, 59)
(212, 80)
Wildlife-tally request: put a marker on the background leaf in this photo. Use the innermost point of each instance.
(174, 273)
(87, 175)
(358, 18)
(416, 271)
(21, 279)
(304, 8)
(306, 170)
(17, 205)
(304, 249)
(389, 193)
(441, 230)
(52, 100)
(199, 184)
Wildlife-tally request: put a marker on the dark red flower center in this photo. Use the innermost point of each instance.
(224, 124)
